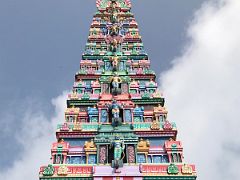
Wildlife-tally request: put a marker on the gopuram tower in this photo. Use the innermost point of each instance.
(116, 125)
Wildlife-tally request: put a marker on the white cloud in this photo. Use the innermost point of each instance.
(202, 91)
(36, 136)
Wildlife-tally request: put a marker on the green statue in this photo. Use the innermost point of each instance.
(118, 149)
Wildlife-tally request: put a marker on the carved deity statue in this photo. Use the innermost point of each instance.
(114, 30)
(114, 11)
(114, 45)
(115, 61)
(118, 149)
(114, 17)
(115, 109)
(118, 153)
(116, 80)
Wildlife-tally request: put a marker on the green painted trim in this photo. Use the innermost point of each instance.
(67, 178)
(170, 178)
(95, 57)
(71, 103)
(149, 101)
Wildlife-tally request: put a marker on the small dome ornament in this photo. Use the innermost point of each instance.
(173, 169)
(49, 170)
(187, 169)
(63, 170)
(155, 125)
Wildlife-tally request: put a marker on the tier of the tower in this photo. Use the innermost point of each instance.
(115, 119)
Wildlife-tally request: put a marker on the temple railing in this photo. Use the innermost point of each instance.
(148, 170)
(64, 170)
(78, 127)
(168, 169)
(142, 126)
(95, 126)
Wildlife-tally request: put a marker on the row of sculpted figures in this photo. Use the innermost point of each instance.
(116, 112)
(116, 151)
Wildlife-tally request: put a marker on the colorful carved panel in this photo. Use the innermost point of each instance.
(64, 170)
(127, 116)
(104, 116)
(103, 154)
(131, 154)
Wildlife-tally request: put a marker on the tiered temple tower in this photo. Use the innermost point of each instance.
(116, 125)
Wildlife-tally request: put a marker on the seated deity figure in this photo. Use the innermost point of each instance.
(114, 16)
(116, 80)
(114, 30)
(114, 45)
(104, 31)
(115, 62)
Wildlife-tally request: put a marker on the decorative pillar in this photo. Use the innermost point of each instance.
(169, 157)
(98, 153)
(135, 146)
(64, 159)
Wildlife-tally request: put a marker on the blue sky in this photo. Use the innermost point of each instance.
(41, 44)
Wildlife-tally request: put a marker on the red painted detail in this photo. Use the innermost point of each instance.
(107, 178)
(128, 178)
(167, 126)
(160, 168)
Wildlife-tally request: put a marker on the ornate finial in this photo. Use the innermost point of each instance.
(103, 4)
(60, 140)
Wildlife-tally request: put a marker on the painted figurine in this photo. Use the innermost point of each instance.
(114, 30)
(116, 80)
(118, 149)
(115, 109)
(118, 152)
(115, 62)
(114, 45)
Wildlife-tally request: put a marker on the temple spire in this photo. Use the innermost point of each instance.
(116, 124)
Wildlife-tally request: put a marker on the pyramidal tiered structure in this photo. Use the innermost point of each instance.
(116, 125)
